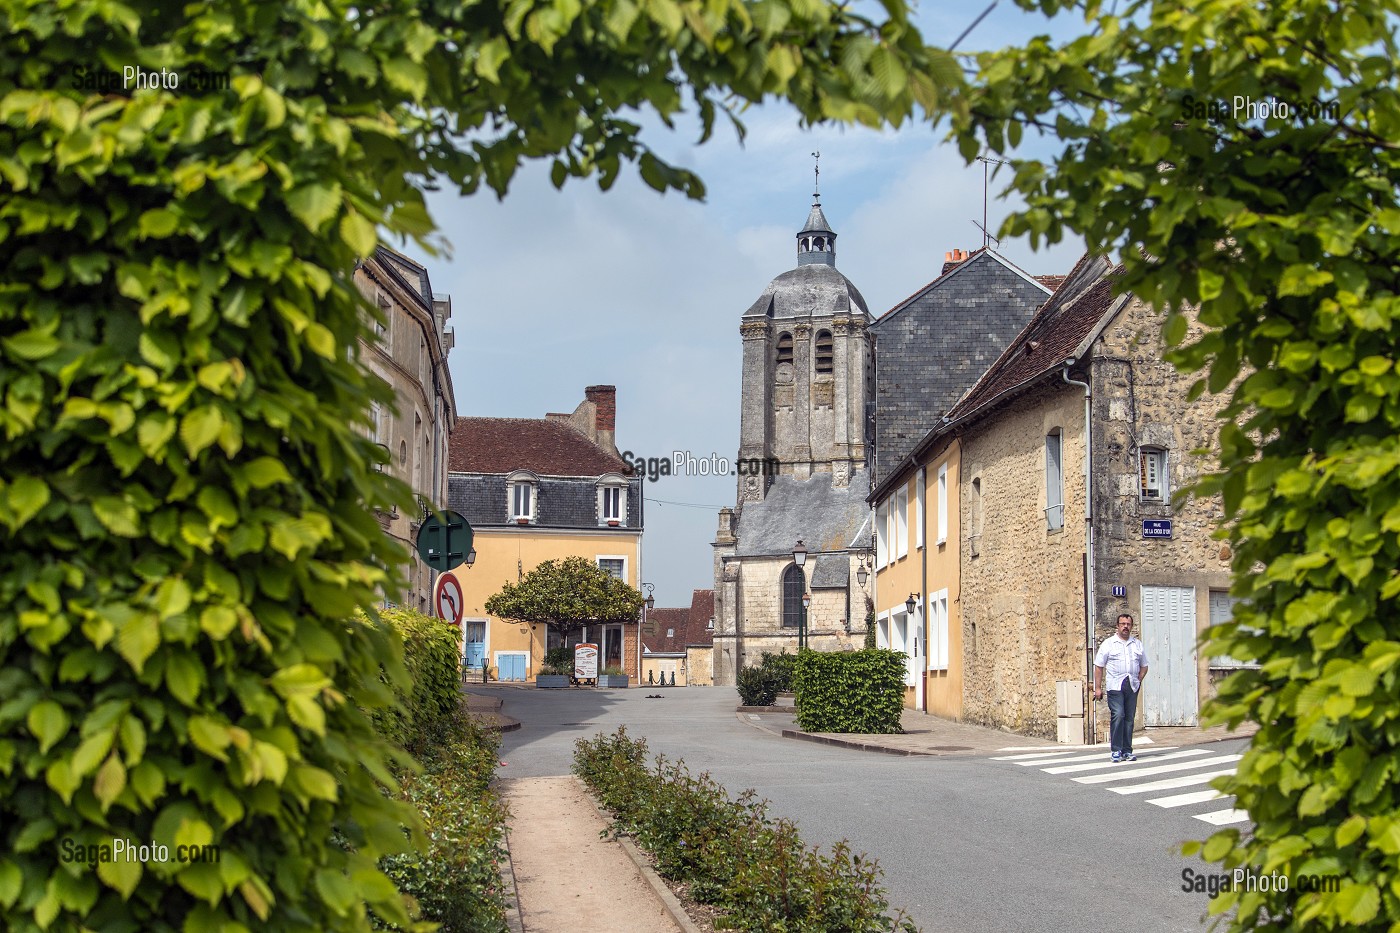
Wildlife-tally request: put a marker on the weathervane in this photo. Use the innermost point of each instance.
(817, 176)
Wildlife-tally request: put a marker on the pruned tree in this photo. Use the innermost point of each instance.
(566, 595)
(1243, 158)
(186, 483)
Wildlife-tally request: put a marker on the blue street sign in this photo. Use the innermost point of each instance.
(1156, 527)
(1120, 591)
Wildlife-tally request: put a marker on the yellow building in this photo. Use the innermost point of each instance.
(536, 489)
(917, 547)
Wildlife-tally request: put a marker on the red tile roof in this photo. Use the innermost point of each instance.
(685, 626)
(549, 448)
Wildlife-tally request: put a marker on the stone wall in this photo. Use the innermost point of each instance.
(1140, 400)
(1022, 596)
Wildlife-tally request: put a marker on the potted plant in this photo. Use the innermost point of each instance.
(612, 676)
(557, 670)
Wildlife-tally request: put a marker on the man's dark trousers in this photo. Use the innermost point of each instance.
(1122, 707)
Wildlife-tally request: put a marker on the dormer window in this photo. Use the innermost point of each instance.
(612, 500)
(520, 491)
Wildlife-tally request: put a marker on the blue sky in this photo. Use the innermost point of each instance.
(553, 291)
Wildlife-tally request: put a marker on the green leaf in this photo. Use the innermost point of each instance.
(315, 204)
(110, 781)
(266, 471)
(358, 233)
(11, 882)
(121, 875)
(26, 496)
(158, 223)
(48, 723)
(184, 676)
(200, 428)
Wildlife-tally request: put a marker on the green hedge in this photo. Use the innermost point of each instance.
(730, 852)
(455, 878)
(850, 691)
(781, 667)
(432, 656)
(756, 686)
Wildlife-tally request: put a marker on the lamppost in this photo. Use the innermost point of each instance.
(799, 557)
(802, 627)
(647, 604)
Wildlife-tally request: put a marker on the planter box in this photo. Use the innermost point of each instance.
(551, 681)
(612, 680)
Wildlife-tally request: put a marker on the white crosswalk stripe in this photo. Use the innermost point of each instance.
(1174, 777)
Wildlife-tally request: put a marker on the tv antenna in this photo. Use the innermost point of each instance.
(986, 161)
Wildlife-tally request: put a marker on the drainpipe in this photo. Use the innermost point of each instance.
(1089, 724)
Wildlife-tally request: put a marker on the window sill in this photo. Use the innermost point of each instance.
(1055, 531)
(940, 542)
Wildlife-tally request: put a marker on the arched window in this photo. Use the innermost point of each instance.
(793, 587)
(824, 353)
(784, 348)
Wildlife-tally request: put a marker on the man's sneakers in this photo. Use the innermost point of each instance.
(1117, 758)
(1128, 757)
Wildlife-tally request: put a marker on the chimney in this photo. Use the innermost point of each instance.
(603, 400)
(953, 258)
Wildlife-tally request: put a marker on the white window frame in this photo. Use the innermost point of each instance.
(901, 522)
(882, 545)
(599, 558)
(938, 631)
(376, 416)
(612, 485)
(1147, 458)
(1054, 480)
(1224, 661)
(942, 504)
(384, 331)
(919, 483)
(882, 630)
(513, 483)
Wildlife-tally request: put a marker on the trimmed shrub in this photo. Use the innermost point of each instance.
(433, 661)
(455, 878)
(870, 641)
(731, 854)
(757, 687)
(850, 691)
(780, 667)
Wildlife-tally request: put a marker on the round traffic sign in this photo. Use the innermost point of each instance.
(447, 598)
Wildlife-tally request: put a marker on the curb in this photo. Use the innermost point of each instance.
(515, 921)
(859, 746)
(664, 894)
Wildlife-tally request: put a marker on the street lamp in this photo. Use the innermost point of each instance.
(802, 628)
(647, 605)
(799, 554)
(862, 572)
(911, 602)
(471, 557)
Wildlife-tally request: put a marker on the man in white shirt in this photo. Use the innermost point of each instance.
(1125, 660)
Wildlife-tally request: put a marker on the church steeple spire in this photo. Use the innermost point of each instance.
(816, 242)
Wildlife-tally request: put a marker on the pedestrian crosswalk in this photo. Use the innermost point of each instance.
(1167, 776)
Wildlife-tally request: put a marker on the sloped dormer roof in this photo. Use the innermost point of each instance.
(549, 448)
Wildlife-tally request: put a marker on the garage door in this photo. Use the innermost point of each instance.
(1169, 634)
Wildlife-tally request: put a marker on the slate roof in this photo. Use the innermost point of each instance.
(931, 347)
(816, 221)
(677, 628)
(1053, 335)
(825, 518)
(549, 448)
(560, 502)
(815, 290)
(1057, 332)
(831, 572)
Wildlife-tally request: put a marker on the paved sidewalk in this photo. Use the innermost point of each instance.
(568, 878)
(485, 711)
(925, 734)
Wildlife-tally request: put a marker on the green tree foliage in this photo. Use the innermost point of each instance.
(850, 691)
(433, 696)
(1283, 230)
(566, 595)
(185, 490)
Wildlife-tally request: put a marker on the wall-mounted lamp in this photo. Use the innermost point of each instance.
(651, 599)
(799, 554)
(911, 602)
(471, 558)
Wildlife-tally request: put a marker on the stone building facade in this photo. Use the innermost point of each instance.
(808, 375)
(409, 353)
(1072, 444)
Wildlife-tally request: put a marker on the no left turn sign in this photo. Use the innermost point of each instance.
(447, 598)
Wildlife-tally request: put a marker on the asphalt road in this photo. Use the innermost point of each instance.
(966, 843)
